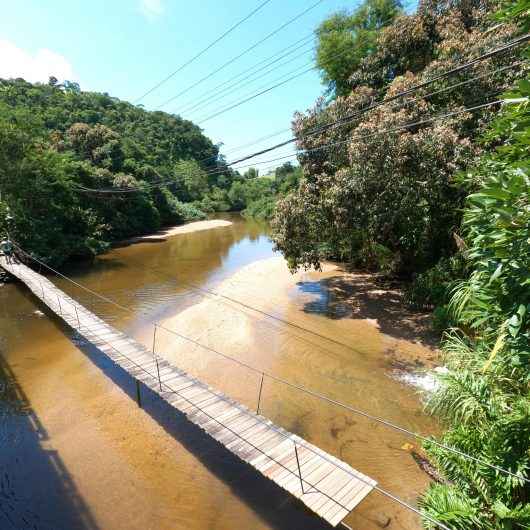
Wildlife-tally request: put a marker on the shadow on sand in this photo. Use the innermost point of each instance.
(360, 297)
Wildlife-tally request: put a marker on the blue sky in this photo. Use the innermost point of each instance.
(124, 47)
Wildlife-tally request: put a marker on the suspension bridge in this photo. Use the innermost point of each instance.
(326, 485)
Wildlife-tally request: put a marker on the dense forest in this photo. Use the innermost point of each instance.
(389, 201)
(57, 143)
(443, 201)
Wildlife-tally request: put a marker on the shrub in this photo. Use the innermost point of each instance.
(432, 288)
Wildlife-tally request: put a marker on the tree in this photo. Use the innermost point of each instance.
(380, 193)
(345, 39)
(56, 140)
(192, 180)
(251, 173)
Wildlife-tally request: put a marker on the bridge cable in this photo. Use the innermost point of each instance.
(303, 389)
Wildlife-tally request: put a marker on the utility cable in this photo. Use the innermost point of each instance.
(350, 117)
(325, 146)
(244, 52)
(254, 96)
(254, 69)
(204, 50)
(283, 131)
(237, 86)
(314, 131)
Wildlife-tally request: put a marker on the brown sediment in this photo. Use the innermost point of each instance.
(328, 301)
(344, 339)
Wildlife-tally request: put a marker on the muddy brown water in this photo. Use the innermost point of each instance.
(77, 453)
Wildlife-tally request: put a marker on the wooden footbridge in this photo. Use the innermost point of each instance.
(326, 485)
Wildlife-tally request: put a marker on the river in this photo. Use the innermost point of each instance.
(76, 453)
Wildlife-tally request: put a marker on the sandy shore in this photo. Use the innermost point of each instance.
(348, 307)
(188, 228)
(347, 337)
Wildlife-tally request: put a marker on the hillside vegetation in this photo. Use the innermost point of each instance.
(57, 142)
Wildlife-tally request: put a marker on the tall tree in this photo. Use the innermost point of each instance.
(345, 39)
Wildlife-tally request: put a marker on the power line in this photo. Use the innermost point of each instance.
(238, 86)
(254, 96)
(244, 52)
(283, 131)
(394, 129)
(253, 70)
(266, 89)
(303, 389)
(204, 50)
(325, 146)
(340, 122)
(406, 92)
(257, 141)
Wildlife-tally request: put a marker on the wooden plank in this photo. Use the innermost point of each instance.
(254, 438)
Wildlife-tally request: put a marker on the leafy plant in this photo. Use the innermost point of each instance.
(484, 398)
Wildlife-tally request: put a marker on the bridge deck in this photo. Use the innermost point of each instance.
(331, 488)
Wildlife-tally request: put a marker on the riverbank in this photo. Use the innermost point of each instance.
(335, 332)
(330, 302)
(164, 234)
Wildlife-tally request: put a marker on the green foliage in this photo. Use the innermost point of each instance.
(382, 187)
(257, 196)
(262, 209)
(55, 139)
(345, 39)
(432, 288)
(484, 397)
(191, 180)
(518, 11)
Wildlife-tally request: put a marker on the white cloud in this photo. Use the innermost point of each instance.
(16, 62)
(151, 8)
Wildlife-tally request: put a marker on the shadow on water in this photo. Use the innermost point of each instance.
(36, 490)
(361, 298)
(271, 503)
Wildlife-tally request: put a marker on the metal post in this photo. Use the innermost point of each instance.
(299, 470)
(156, 358)
(77, 315)
(60, 309)
(138, 395)
(260, 389)
(42, 288)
